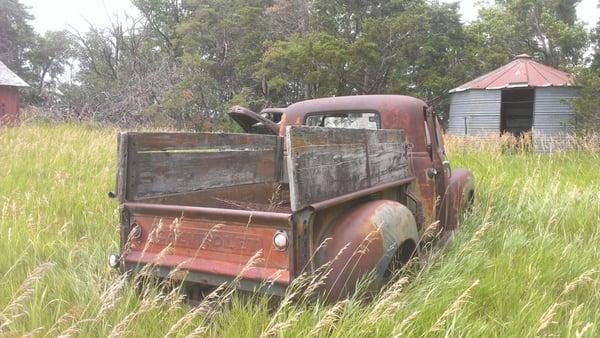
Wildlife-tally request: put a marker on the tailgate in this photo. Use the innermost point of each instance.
(209, 246)
(165, 184)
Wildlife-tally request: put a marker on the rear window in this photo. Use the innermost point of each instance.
(344, 119)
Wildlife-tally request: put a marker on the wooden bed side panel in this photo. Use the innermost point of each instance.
(324, 163)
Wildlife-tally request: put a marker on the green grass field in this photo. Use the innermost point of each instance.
(526, 262)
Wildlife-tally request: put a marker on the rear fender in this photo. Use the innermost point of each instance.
(363, 239)
(459, 198)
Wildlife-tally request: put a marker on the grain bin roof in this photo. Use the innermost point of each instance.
(521, 72)
(8, 78)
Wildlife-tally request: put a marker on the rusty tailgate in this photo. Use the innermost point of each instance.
(217, 244)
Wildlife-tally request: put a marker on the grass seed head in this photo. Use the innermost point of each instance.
(453, 308)
(331, 317)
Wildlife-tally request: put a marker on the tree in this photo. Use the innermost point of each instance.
(121, 75)
(415, 48)
(163, 17)
(595, 40)
(587, 105)
(16, 35)
(417, 51)
(223, 45)
(304, 67)
(49, 56)
(346, 18)
(187, 61)
(546, 29)
(289, 17)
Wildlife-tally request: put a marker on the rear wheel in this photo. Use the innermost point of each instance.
(470, 200)
(406, 252)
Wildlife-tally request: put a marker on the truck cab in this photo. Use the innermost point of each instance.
(443, 192)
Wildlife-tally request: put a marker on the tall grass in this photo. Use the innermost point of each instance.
(526, 261)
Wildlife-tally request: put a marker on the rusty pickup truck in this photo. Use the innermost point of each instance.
(350, 183)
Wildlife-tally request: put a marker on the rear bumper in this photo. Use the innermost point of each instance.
(206, 266)
(210, 279)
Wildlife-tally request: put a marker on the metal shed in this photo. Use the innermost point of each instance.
(9, 95)
(518, 97)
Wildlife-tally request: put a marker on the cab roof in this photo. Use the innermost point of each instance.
(396, 111)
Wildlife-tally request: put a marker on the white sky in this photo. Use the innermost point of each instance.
(77, 14)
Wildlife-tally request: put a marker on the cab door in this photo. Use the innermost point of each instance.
(437, 172)
(252, 122)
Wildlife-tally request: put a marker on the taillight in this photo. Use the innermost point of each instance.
(280, 240)
(114, 261)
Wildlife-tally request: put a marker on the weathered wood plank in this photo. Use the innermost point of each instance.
(122, 146)
(168, 172)
(328, 162)
(155, 164)
(388, 162)
(183, 141)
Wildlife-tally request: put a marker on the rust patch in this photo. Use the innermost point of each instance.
(196, 239)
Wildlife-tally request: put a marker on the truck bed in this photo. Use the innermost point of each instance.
(206, 207)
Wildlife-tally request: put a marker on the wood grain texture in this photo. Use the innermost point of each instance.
(163, 173)
(122, 160)
(169, 163)
(328, 162)
(187, 141)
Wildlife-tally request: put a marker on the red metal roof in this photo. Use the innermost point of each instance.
(521, 72)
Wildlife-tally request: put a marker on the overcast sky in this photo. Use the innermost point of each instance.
(78, 14)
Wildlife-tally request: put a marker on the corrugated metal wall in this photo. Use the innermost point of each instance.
(474, 112)
(551, 117)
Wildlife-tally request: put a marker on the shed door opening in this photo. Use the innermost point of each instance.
(517, 111)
